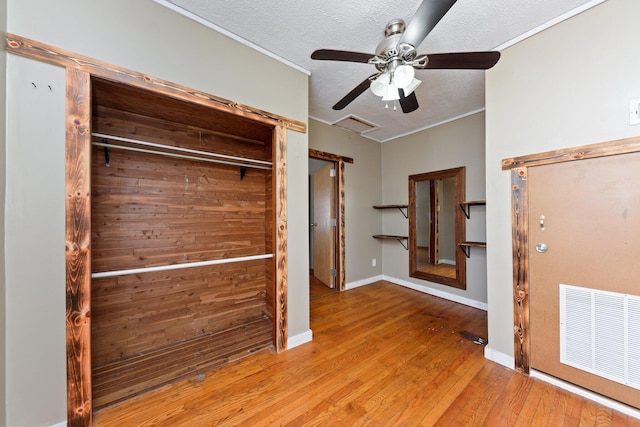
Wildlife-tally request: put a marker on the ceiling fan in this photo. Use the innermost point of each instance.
(396, 59)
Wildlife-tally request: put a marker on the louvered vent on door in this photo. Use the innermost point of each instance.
(600, 333)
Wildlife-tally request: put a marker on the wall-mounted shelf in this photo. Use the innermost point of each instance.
(466, 247)
(400, 207)
(466, 206)
(400, 239)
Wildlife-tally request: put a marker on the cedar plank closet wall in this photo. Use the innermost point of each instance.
(149, 210)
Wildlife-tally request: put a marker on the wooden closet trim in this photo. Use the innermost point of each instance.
(80, 70)
(56, 56)
(78, 247)
(340, 199)
(520, 228)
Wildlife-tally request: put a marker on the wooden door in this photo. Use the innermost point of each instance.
(323, 239)
(587, 213)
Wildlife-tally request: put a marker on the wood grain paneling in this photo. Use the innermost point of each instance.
(153, 368)
(137, 312)
(281, 283)
(151, 210)
(520, 237)
(78, 262)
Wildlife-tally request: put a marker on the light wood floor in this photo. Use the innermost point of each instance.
(317, 289)
(381, 355)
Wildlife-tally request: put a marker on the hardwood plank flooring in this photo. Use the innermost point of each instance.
(317, 289)
(382, 355)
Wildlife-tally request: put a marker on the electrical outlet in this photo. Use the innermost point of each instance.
(634, 112)
(374, 262)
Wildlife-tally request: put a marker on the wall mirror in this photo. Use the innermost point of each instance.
(436, 226)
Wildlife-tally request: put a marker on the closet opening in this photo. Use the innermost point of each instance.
(182, 239)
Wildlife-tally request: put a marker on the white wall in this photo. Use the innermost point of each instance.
(35, 259)
(146, 37)
(567, 86)
(458, 143)
(3, 97)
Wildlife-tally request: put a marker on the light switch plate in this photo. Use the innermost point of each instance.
(634, 112)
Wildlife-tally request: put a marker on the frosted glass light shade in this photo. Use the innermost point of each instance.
(380, 84)
(411, 87)
(392, 93)
(403, 75)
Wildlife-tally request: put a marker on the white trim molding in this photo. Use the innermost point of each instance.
(598, 398)
(363, 282)
(437, 293)
(299, 339)
(499, 357)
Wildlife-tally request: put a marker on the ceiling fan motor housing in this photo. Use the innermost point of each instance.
(389, 51)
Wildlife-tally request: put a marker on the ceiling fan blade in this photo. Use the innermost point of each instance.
(341, 55)
(426, 17)
(408, 103)
(355, 92)
(462, 60)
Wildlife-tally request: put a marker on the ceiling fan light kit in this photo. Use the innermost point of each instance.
(396, 59)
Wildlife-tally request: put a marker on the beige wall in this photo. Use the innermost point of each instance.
(567, 86)
(3, 97)
(146, 37)
(458, 143)
(362, 191)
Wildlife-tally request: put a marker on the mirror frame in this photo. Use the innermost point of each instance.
(458, 174)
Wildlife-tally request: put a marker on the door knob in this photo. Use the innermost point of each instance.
(314, 224)
(541, 247)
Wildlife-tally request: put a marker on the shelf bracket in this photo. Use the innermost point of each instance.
(467, 211)
(243, 171)
(466, 250)
(405, 212)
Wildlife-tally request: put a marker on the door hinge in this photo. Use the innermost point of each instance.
(333, 222)
(332, 173)
(333, 272)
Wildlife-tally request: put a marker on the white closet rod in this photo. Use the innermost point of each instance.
(178, 266)
(210, 157)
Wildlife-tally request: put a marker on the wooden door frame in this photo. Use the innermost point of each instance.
(520, 228)
(340, 242)
(80, 70)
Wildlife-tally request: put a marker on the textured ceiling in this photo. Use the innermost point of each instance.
(293, 29)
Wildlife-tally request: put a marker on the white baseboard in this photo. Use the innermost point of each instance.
(62, 424)
(299, 339)
(363, 282)
(437, 293)
(498, 357)
(602, 400)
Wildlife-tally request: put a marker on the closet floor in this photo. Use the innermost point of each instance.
(125, 378)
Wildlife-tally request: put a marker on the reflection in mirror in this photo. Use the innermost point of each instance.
(436, 226)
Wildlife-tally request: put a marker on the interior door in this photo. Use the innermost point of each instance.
(324, 235)
(586, 213)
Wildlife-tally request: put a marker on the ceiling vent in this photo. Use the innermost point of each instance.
(355, 124)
